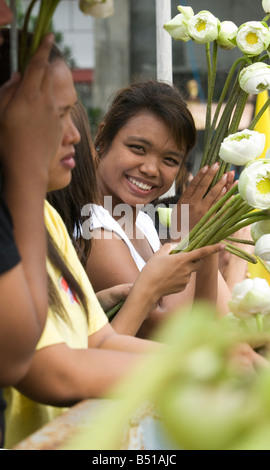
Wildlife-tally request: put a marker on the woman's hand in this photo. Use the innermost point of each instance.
(28, 112)
(197, 197)
(168, 274)
(110, 297)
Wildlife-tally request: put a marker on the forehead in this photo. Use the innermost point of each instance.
(151, 127)
(62, 84)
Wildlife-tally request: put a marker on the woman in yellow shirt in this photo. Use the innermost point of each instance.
(79, 354)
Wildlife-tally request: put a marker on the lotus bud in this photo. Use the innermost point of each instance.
(97, 8)
(242, 147)
(250, 297)
(228, 29)
(254, 184)
(177, 29)
(266, 5)
(259, 229)
(255, 78)
(262, 247)
(203, 27)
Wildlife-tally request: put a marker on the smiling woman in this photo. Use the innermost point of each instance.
(143, 143)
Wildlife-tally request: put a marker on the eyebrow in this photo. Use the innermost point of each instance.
(69, 106)
(150, 144)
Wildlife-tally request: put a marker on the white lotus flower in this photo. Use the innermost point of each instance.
(97, 8)
(253, 37)
(255, 78)
(203, 27)
(259, 229)
(177, 29)
(186, 11)
(266, 5)
(228, 29)
(250, 297)
(262, 247)
(242, 147)
(254, 184)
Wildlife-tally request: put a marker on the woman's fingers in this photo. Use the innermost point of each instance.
(36, 71)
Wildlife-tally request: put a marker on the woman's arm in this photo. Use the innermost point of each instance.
(71, 375)
(110, 263)
(27, 116)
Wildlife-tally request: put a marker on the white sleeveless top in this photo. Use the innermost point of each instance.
(101, 218)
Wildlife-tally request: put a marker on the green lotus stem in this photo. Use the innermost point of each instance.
(242, 241)
(259, 115)
(215, 234)
(229, 106)
(212, 70)
(252, 213)
(242, 224)
(222, 129)
(241, 253)
(46, 11)
(114, 310)
(259, 322)
(205, 218)
(23, 46)
(266, 18)
(242, 101)
(229, 225)
(231, 205)
(225, 90)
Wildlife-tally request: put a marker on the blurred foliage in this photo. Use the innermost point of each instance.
(205, 399)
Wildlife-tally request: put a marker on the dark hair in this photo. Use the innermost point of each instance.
(159, 98)
(82, 189)
(52, 250)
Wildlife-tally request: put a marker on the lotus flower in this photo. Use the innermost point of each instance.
(203, 27)
(254, 184)
(262, 247)
(255, 78)
(259, 229)
(227, 30)
(242, 147)
(253, 38)
(250, 297)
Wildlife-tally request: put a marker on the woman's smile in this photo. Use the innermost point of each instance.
(142, 162)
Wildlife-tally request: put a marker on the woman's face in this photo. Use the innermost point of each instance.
(141, 163)
(60, 171)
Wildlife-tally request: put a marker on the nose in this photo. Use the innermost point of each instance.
(72, 135)
(150, 165)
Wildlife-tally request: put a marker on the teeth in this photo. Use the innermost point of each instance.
(146, 187)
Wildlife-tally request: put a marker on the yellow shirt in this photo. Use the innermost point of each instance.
(24, 416)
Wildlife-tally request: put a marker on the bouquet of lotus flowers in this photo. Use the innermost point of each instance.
(223, 143)
(97, 8)
(248, 75)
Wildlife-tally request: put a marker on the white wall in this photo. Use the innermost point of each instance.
(77, 28)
